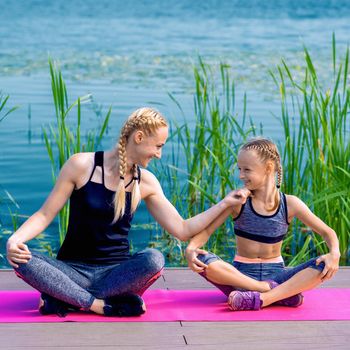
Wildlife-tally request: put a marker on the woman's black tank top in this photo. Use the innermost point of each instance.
(91, 237)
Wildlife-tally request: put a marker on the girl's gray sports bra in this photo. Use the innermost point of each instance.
(262, 228)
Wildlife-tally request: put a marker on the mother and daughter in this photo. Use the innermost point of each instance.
(94, 270)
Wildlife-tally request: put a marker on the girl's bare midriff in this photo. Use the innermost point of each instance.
(253, 250)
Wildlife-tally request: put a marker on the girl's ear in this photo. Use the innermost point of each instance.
(138, 136)
(270, 167)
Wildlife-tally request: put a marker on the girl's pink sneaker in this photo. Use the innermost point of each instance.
(248, 300)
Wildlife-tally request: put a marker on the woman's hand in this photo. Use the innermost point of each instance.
(331, 261)
(193, 262)
(17, 253)
(237, 197)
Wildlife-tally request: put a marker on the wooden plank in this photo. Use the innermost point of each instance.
(9, 281)
(184, 278)
(74, 334)
(252, 335)
(101, 347)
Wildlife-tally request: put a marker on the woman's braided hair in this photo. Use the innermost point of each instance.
(267, 150)
(147, 120)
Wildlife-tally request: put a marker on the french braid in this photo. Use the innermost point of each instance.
(144, 119)
(267, 150)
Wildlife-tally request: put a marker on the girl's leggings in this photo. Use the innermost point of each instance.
(260, 271)
(79, 284)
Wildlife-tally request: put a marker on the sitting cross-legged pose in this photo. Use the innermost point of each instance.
(94, 270)
(258, 278)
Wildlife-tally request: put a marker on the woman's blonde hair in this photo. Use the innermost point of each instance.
(267, 150)
(147, 120)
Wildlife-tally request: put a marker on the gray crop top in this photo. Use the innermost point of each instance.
(262, 228)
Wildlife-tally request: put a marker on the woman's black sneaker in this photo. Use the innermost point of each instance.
(124, 305)
(53, 306)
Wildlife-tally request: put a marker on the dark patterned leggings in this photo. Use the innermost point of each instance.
(79, 284)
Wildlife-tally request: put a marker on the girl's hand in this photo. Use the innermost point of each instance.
(331, 261)
(193, 262)
(17, 253)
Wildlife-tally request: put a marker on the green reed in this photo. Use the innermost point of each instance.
(3, 101)
(315, 152)
(8, 199)
(205, 174)
(63, 138)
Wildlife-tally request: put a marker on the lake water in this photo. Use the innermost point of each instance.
(130, 54)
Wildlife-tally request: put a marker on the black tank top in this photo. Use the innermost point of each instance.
(91, 237)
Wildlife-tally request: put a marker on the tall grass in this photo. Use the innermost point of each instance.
(315, 150)
(3, 101)
(4, 112)
(63, 138)
(314, 120)
(205, 174)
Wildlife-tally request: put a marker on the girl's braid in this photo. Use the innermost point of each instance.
(268, 151)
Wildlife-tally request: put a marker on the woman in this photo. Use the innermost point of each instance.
(94, 269)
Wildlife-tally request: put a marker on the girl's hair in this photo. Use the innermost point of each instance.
(147, 120)
(267, 150)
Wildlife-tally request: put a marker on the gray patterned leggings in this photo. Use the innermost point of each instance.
(79, 284)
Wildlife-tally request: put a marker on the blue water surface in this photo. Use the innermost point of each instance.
(133, 53)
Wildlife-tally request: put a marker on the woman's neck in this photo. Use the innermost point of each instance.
(112, 162)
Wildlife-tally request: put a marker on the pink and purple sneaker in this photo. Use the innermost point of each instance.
(250, 300)
(239, 300)
(293, 301)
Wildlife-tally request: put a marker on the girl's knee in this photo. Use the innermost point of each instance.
(315, 266)
(208, 258)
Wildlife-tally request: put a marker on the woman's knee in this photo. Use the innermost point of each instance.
(24, 268)
(154, 259)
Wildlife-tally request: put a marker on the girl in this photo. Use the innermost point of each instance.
(258, 277)
(94, 269)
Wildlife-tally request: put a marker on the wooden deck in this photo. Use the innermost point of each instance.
(176, 335)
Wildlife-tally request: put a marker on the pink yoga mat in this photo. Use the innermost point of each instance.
(187, 305)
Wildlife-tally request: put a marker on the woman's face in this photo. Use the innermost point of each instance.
(252, 171)
(150, 146)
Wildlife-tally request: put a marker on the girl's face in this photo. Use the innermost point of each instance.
(148, 147)
(252, 170)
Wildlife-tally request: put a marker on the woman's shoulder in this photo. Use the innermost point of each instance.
(147, 177)
(149, 184)
(80, 163)
(81, 160)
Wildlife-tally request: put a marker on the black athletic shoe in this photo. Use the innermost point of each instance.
(53, 306)
(124, 305)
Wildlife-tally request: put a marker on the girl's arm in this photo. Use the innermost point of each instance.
(201, 238)
(17, 250)
(167, 215)
(299, 209)
(193, 248)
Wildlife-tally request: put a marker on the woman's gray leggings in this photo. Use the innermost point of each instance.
(79, 284)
